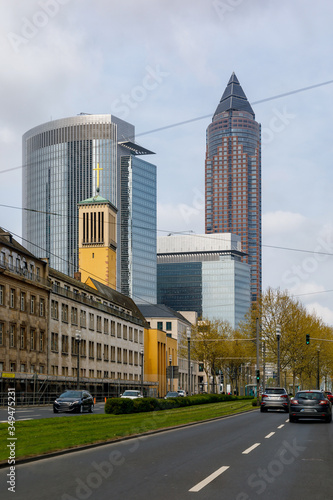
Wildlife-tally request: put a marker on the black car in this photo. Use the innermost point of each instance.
(74, 401)
(275, 398)
(310, 404)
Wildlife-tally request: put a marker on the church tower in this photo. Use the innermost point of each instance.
(97, 239)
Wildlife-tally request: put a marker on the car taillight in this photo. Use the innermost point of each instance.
(264, 396)
(294, 401)
(284, 396)
(323, 402)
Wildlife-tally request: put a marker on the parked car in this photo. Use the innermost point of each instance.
(172, 394)
(274, 398)
(329, 396)
(74, 401)
(131, 395)
(310, 404)
(181, 392)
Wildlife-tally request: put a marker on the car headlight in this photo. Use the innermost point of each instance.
(75, 402)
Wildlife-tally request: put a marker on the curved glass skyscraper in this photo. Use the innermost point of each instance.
(233, 176)
(59, 159)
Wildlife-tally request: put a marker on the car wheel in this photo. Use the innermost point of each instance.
(55, 411)
(262, 409)
(292, 419)
(328, 419)
(81, 409)
(91, 409)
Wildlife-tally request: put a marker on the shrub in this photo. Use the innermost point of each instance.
(118, 406)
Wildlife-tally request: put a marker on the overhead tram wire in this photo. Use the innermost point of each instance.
(191, 120)
(188, 232)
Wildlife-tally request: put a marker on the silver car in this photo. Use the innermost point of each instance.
(275, 398)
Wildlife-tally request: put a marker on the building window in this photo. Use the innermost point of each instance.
(32, 304)
(42, 308)
(12, 339)
(119, 330)
(106, 374)
(22, 338)
(135, 335)
(168, 326)
(99, 324)
(54, 342)
(54, 309)
(41, 368)
(106, 326)
(12, 298)
(64, 344)
(41, 341)
(2, 295)
(64, 371)
(32, 340)
(125, 356)
(125, 332)
(74, 316)
(91, 321)
(91, 349)
(130, 357)
(118, 355)
(99, 351)
(64, 313)
(106, 352)
(113, 354)
(130, 331)
(83, 319)
(113, 328)
(23, 368)
(12, 367)
(1, 333)
(99, 373)
(22, 301)
(160, 325)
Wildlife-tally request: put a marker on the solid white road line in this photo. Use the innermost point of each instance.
(250, 449)
(269, 435)
(209, 479)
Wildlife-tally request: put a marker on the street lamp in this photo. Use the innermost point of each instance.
(278, 335)
(78, 340)
(318, 377)
(142, 353)
(170, 361)
(188, 335)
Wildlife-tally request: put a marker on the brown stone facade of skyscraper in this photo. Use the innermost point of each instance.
(233, 176)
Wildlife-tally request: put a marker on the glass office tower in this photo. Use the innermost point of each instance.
(233, 176)
(59, 162)
(138, 222)
(205, 274)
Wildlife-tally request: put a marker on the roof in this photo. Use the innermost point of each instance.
(117, 298)
(160, 311)
(97, 199)
(234, 98)
(135, 148)
(7, 239)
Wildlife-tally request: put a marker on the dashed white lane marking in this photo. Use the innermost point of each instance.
(280, 426)
(209, 479)
(269, 435)
(250, 449)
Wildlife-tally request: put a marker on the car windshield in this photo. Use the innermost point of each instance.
(308, 395)
(275, 391)
(71, 394)
(172, 394)
(131, 393)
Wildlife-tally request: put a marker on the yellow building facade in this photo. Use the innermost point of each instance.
(159, 351)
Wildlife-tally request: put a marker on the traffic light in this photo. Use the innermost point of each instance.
(201, 367)
(222, 378)
(307, 339)
(258, 375)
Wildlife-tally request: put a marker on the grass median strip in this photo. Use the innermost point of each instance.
(37, 437)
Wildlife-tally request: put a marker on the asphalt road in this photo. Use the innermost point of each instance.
(248, 456)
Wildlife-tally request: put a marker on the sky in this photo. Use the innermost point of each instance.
(159, 63)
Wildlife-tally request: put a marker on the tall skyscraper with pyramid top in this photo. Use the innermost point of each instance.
(233, 176)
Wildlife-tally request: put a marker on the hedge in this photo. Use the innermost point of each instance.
(118, 406)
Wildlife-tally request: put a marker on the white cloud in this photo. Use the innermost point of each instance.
(282, 222)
